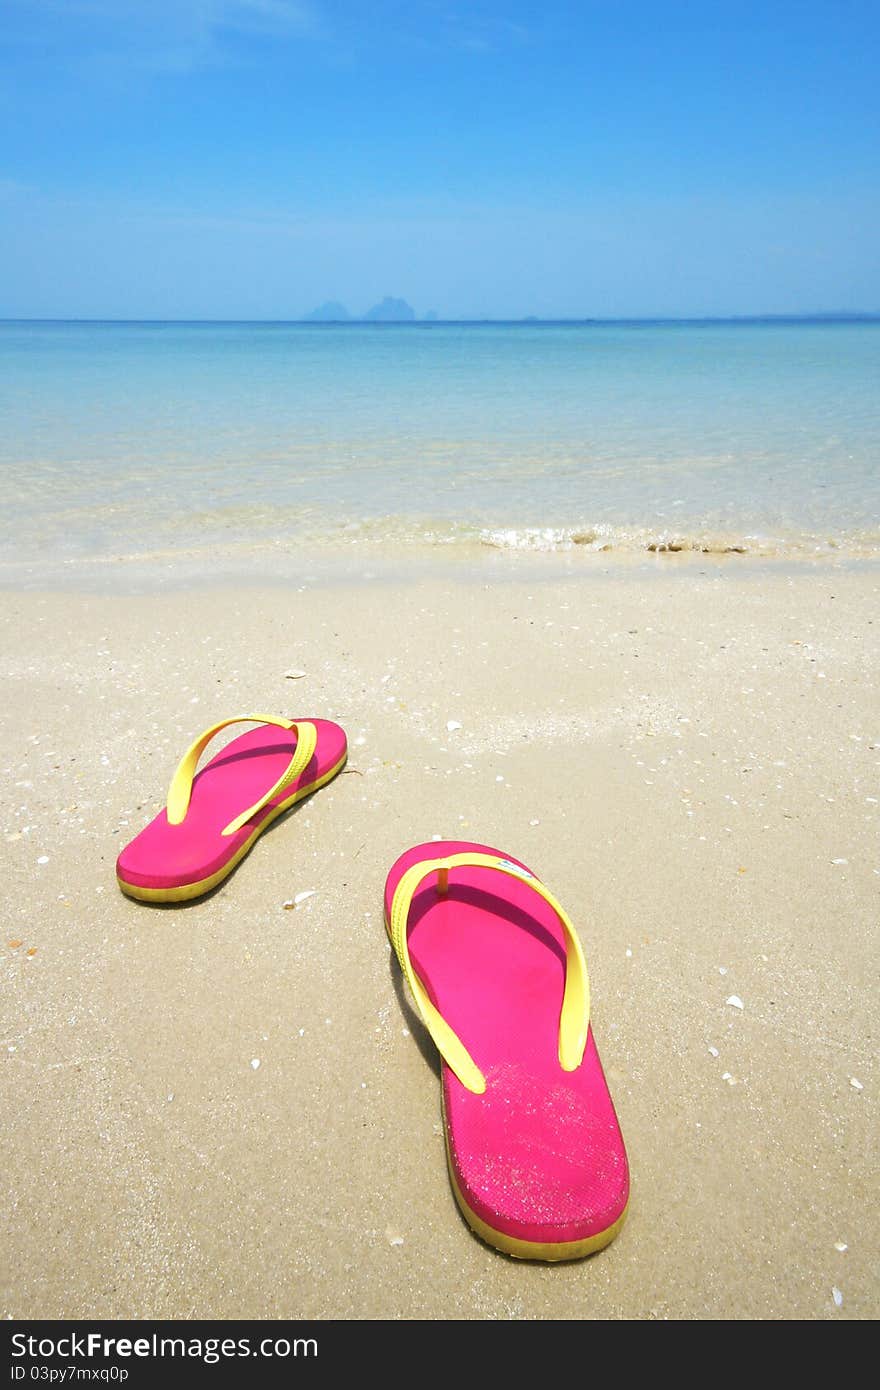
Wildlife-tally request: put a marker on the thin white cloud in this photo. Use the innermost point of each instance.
(280, 15)
(163, 35)
(271, 17)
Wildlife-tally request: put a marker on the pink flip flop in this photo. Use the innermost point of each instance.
(535, 1153)
(212, 819)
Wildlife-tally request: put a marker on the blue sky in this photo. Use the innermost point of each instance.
(252, 158)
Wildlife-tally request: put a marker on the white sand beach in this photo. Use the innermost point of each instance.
(229, 1109)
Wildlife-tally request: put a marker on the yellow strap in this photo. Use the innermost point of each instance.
(180, 790)
(574, 1018)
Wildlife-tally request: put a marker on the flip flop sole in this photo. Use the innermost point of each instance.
(183, 892)
(535, 1156)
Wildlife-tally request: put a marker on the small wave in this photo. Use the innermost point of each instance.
(641, 540)
(546, 538)
(599, 538)
(635, 539)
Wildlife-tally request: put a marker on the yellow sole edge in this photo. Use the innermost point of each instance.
(182, 892)
(550, 1253)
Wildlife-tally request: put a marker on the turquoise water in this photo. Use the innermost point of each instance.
(131, 439)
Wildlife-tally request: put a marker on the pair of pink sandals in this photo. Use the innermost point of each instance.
(496, 971)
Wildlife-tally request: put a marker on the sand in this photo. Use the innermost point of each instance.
(229, 1110)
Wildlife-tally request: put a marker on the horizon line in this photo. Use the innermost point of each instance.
(838, 316)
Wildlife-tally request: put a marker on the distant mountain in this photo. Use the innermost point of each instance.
(431, 316)
(391, 311)
(330, 312)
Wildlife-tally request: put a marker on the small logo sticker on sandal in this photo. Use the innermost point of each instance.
(514, 868)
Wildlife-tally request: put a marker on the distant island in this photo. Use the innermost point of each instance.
(390, 310)
(329, 312)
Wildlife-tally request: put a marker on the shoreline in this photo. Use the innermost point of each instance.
(686, 753)
(274, 564)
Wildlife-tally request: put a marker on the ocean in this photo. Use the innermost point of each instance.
(125, 441)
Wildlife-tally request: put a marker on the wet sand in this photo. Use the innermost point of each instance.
(688, 758)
